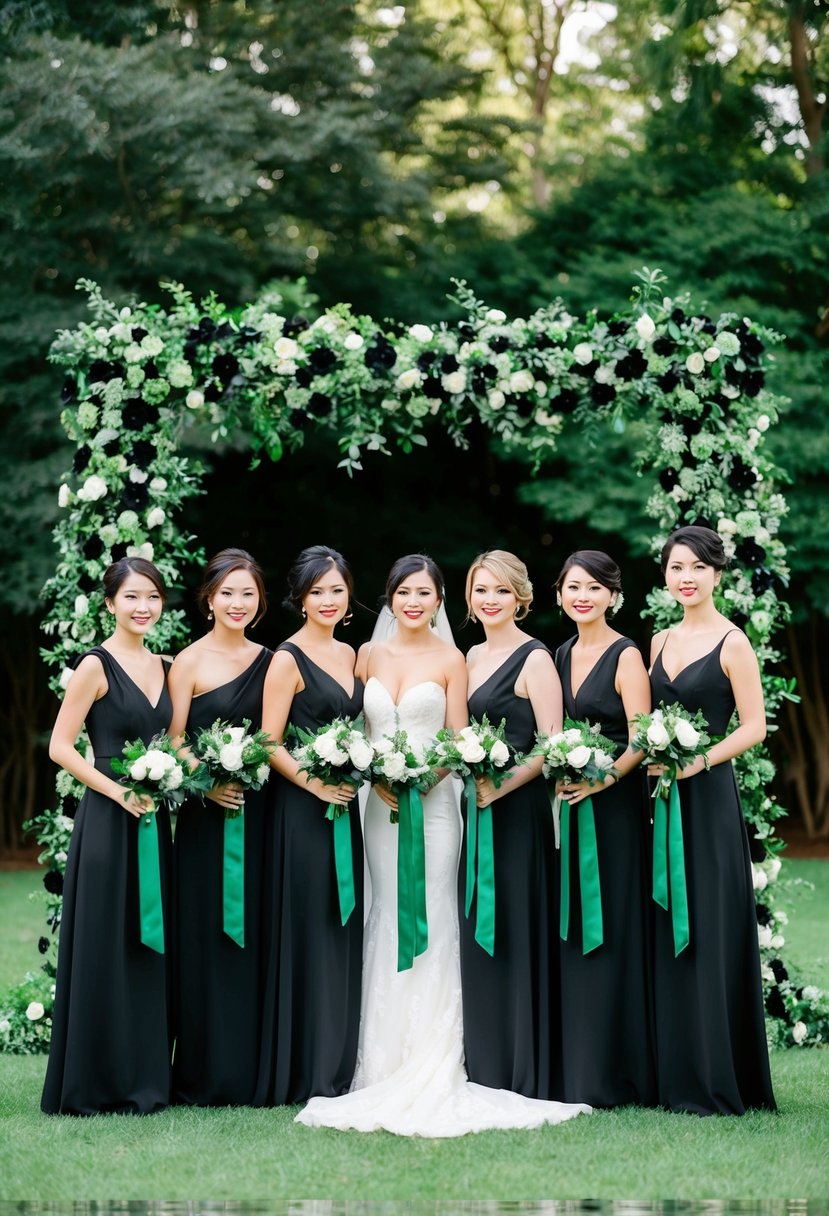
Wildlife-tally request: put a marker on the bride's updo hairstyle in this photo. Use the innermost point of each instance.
(704, 543)
(219, 567)
(510, 571)
(597, 564)
(309, 568)
(117, 574)
(405, 567)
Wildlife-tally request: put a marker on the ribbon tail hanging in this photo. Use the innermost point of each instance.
(151, 911)
(233, 879)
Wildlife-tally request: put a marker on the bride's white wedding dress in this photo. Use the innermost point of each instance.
(410, 1076)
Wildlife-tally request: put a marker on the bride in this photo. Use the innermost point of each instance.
(410, 1076)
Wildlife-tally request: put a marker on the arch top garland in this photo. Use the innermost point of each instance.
(140, 378)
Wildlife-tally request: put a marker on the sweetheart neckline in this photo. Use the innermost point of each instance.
(420, 684)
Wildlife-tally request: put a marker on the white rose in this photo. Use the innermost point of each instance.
(360, 752)
(799, 1032)
(194, 399)
(763, 422)
(579, 756)
(156, 772)
(495, 316)
(540, 388)
(237, 733)
(338, 756)
(454, 382)
(570, 736)
(64, 495)
(773, 865)
(764, 936)
(726, 527)
(657, 736)
(394, 766)
(156, 518)
(409, 379)
(602, 760)
(353, 341)
(262, 773)
(695, 363)
(686, 734)
(383, 747)
(34, 1011)
(81, 605)
(230, 757)
(325, 745)
(645, 327)
(496, 399)
(146, 551)
(499, 752)
(728, 342)
(93, 488)
(175, 778)
(759, 878)
(778, 941)
(286, 348)
(421, 333)
(471, 751)
(583, 353)
(781, 918)
(65, 676)
(158, 484)
(138, 476)
(138, 769)
(711, 355)
(521, 381)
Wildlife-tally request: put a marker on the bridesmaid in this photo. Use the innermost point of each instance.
(111, 1034)
(510, 998)
(607, 1031)
(217, 981)
(712, 1056)
(313, 962)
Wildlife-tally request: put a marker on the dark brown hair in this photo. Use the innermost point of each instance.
(597, 564)
(704, 543)
(116, 574)
(411, 564)
(309, 568)
(219, 567)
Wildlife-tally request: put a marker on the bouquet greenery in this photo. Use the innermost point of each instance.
(671, 736)
(231, 753)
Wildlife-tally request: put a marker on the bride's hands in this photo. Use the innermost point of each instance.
(385, 795)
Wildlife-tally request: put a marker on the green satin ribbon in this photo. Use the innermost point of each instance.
(592, 924)
(343, 859)
(149, 884)
(479, 841)
(412, 926)
(669, 885)
(233, 879)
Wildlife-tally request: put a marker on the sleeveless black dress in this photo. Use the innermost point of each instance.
(712, 1056)
(111, 1030)
(217, 983)
(313, 963)
(606, 998)
(511, 1021)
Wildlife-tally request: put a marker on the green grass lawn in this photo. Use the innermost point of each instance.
(262, 1156)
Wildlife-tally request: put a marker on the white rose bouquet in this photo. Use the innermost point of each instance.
(156, 770)
(402, 765)
(231, 753)
(577, 753)
(479, 750)
(671, 736)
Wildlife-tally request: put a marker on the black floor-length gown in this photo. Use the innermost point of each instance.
(111, 1027)
(606, 998)
(217, 983)
(712, 1056)
(511, 1020)
(313, 966)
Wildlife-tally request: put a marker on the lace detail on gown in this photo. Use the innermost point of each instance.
(410, 1078)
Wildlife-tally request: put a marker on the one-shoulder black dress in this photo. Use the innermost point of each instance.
(218, 984)
(313, 963)
(712, 1056)
(111, 1029)
(606, 998)
(511, 1022)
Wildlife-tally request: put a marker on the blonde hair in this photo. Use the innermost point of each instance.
(510, 571)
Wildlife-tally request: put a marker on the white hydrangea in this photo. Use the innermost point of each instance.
(496, 399)
(421, 333)
(583, 353)
(93, 488)
(194, 399)
(286, 348)
(495, 316)
(155, 518)
(409, 379)
(353, 341)
(454, 382)
(158, 484)
(521, 381)
(728, 342)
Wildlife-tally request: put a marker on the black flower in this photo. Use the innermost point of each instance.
(207, 328)
(111, 447)
(213, 391)
(102, 370)
(380, 355)
(465, 329)
(321, 360)
(753, 381)
(433, 388)
(138, 332)
(565, 402)
(742, 476)
(295, 326)
(142, 453)
(135, 497)
(118, 551)
(449, 364)
(662, 346)
(691, 426)
(588, 370)
(499, 344)
(489, 370)
(669, 478)
(68, 390)
(602, 394)
(618, 327)
(425, 360)
(93, 547)
(86, 583)
(304, 377)
(762, 580)
(43, 944)
(53, 882)
(137, 414)
(632, 366)
(677, 316)
(778, 967)
(247, 336)
(81, 458)
(668, 380)
(151, 371)
(543, 342)
(774, 1003)
(224, 367)
(319, 404)
(749, 553)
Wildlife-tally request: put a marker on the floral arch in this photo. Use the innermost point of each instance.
(139, 378)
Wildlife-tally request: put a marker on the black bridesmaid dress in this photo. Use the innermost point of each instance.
(606, 997)
(217, 983)
(712, 1056)
(111, 1029)
(511, 1021)
(313, 965)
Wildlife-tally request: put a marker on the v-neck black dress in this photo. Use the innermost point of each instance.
(111, 1031)
(606, 998)
(313, 963)
(511, 999)
(712, 1056)
(218, 984)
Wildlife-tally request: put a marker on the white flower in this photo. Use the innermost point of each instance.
(383, 747)
(152, 344)
(811, 993)
(712, 354)
(81, 605)
(726, 527)
(34, 1011)
(421, 333)
(496, 399)
(230, 757)
(695, 363)
(499, 752)
(521, 381)
(262, 773)
(495, 316)
(175, 777)
(761, 621)
(5, 1025)
(394, 766)
(579, 756)
(194, 399)
(686, 734)
(60, 856)
(353, 341)
(657, 736)
(602, 759)
(764, 936)
(540, 388)
(326, 745)
(570, 736)
(360, 751)
(237, 733)
(759, 878)
(158, 484)
(64, 495)
(471, 750)
(781, 918)
(138, 476)
(583, 353)
(65, 676)
(102, 334)
(146, 551)
(409, 379)
(93, 488)
(773, 865)
(156, 518)
(778, 941)
(763, 422)
(799, 1032)
(138, 769)
(728, 342)
(454, 382)
(645, 327)
(286, 348)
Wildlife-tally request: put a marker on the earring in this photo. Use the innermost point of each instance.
(210, 615)
(348, 618)
(303, 613)
(558, 598)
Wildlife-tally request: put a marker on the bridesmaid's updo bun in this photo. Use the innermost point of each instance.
(405, 567)
(219, 567)
(311, 565)
(510, 571)
(704, 543)
(597, 564)
(116, 574)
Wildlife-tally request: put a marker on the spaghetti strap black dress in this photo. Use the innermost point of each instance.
(313, 963)
(606, 996)
(218, 984)
(712, 1056)
(511, 1020)
(111, 1028)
